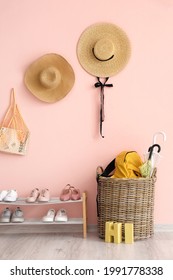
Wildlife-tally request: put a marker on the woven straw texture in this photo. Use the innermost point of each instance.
(126, 201)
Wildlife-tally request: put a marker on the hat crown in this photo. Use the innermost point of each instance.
(104, 49)
(50, 77)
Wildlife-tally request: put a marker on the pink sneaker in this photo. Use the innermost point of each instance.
(66, 193)
(75, 194)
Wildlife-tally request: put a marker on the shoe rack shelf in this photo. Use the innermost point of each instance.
(53, 200)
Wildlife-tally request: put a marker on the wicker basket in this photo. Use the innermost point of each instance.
(126, 201)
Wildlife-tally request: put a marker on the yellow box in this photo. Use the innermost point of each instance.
(129, 235)
(109, 231)
(117, 233)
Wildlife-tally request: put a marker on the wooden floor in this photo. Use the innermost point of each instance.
(72, 246)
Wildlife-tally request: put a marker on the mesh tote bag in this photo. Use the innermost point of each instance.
(14, 134)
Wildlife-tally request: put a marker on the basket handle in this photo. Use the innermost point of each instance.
(99, 171)
(154, 177)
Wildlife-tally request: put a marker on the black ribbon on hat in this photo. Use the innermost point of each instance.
(102, 114)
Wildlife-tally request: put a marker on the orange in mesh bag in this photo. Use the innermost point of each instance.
(14, 134)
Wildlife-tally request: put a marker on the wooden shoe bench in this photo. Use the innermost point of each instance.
(53, 201)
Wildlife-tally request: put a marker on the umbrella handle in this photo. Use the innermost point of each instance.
(150, 150)
(156, 134)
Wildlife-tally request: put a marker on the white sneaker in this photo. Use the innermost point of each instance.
(3, 194)
(17, 216)
(49, 216)
(5, 215)
(61, 216)
(11, 196)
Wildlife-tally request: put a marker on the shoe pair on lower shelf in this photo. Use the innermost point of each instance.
(16, 217)
(52, 216)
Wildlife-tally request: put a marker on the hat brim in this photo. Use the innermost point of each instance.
(86, 44)
(32, 82)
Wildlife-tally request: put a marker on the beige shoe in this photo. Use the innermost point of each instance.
(50, 216)
(61, 216)
(33, 196)
(44, 196)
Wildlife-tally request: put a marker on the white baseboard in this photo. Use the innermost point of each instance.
(65, 228)
(163, 228)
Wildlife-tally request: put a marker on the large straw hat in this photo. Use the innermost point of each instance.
(49, 78)
(103, 49)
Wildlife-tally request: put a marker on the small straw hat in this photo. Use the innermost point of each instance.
(103, 49)
(49, 78)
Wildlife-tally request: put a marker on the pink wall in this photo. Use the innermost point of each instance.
(65, 146)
